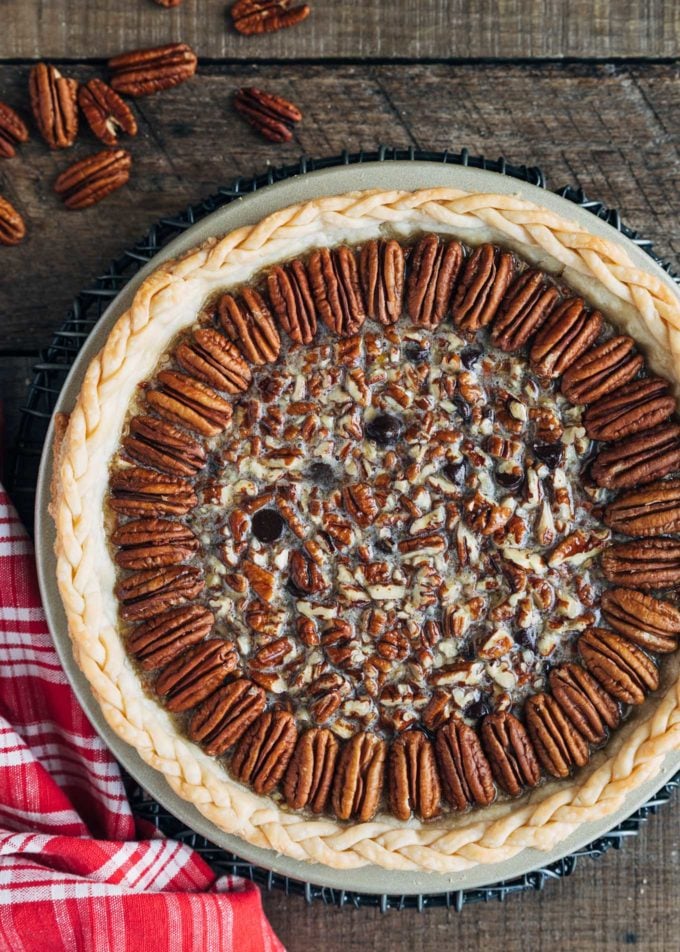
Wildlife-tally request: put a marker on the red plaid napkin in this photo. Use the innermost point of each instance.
(77, 872)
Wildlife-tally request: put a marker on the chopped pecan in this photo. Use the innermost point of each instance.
(137, 492)
(141, 72)
(465, 772)
(264, 751)
(623, 669)
(601, 370)
(557, 743)
(307, 783)
(510, 753)
(413, 781)
(214, 360)
(381, 269)
(359, 778)
(587, 705)
(54, 105)
(305, 574)
(261, 580)
(152, 543)
(166, 447)
(150, 591)
(192, 677)
(12, 131)
(248, 323)
(334, 279)
(640, 459)
(525, 307)
(483, 283)
(646, 564)
(251, 17)
(271, 655)
(339, 643)
(307, 631)
(650, 622)
(91, 179)
(327, 691)
(106, 113)
(435, 268)
(568, 332)
(651, 511)
(637, 406)
(159, 640)
(191, 403)
(223, 718)
(360, 502)
(426, 544)
(12, 225)
(292, 300)
(272, 116)
(168, 3)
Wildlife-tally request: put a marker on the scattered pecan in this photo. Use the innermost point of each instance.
(465, 772)
(212, 359)
(640, 459)
(623, 669)
(12, 131)
(54, 105)
(435, 268)
(339, 643)
(360, 502)
(251, 17)
(248, 323)
(413, 781)
(270, 115)
(307, 631)
(381, 269)
(191, 403)
(106, 113)
(261, 580)
(334, 279)
(651, 511)
(305, 574)
(510, 753)
(272, 654)
(557, 743)
(307, 783)
(152, 543)
(567, 333)
(359, 778)
(327, 691)
(264, 751)
(12, 226)
(637, 406)
(150, 591)
(91, 179)
(524, 309)
(192, 677)
(650, 622)
(159, 640)
(141, 72)
(586, 704)
(647, 564)
(223, 718)
(601, 370)
(486, 276)
(166, 447)
(142, 492)
(293, 302)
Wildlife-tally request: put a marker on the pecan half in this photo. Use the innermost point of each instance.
(54, 105)
(187, 401)
(151, 591)
(214, 360)
(465, 772)
(435, 268)
(525, 307)
(328, 691)
(223, 718)
(587, 705)
(192, 677)
(106, 113)
(159, 640)
(248, 323)
(152, 543)
(640, 459)
(360, 502)
(647, 564)
(381, 269)
(270, 115)
(623, 669)
(305, 574)
(486, 276)
(251, 17)
(12, 226)
(154, 442)
(637, 406)
(12, 131)
(512, 758)
(272, 654)
(334, 279)
(568, 333)
(141, 72)
(136, 492)
(264, 751)
(307, 783)
(651, 511)
(359, 778)
(650, 622)
(261, 579)
(557, 743)
(413, 781)
(93, 178)
(293, 302)
(601, 370)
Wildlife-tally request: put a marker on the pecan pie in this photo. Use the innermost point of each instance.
(367, 526)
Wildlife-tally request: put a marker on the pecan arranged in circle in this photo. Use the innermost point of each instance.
(510, 753)
(150, 591)
(160, 639)
(248, 323)
(264, 751)
(106, 113)
(138, 492)
(12, 226)
(192, 677)
(293, 302)
(91, 179)
(601, 370)
(413, 782)
(435, 268)
(523, 310)
(142, 72)
(647, 564)
(152, 543)
(640, 459)
(251, 17)
(465, 772)
(651, 511)
(334, 280)
(637, 406)
(270, 115)
(623, 669)
(12, 131)
(557, 743)
(308, 780)
(54, 105)
(381, 269)
(486, 276)
(568, 333)
(359, 778)
(219, 722)
(650, 622)
(586, 704)
(189, 402)
(168, 448)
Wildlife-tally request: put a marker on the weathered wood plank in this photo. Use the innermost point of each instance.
(373, 29)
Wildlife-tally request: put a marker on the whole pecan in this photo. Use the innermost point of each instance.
(381, 270)
(650, 622)
(646, 564)
(89, 180)
(640, 459)
(251, 17)
(187, 401)
(248, 323)
(270, 115)
(12, 226)
(508, 748)
(525, 307)
(601, 370)
(106, 113)
(435, 269)
(160, 639)
(485, 278)
(143, 492)
(413, 781)
(54, 105)
(264, 752)
(623, 669)
(293, 302)
(12, 131)
(465, 772)
(568, 333)
(307, 783)
(305, 574)
(191, 677)
(359, 776)
(150, 591)
(557, 743)
(651, 511)
(141, 72)
(166, 447)
(214, 360)
(334, 280)
(637, 406)
(152, 543)
(585, 703)
(360, 502)
(219, 722)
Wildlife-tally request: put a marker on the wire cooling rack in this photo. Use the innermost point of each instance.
(48, 378)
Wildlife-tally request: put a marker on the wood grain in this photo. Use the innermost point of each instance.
(412, 29)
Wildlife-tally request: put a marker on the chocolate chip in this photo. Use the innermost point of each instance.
(322, 474)
(526, 638)
(469, 356)
(479, 708)
(511, 481)
(463, 408)
(384, 545)
(267, 525)
(455, 472)
(548, 453)
(416, 352)
(384, 429)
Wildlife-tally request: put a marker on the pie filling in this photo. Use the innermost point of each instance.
(395, 528)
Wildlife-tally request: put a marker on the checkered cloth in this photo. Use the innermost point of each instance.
(77, 871)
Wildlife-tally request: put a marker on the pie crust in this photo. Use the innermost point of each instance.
(633, 299)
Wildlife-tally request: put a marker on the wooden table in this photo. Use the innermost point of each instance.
(588, 91)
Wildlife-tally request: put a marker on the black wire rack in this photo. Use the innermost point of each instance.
(49, 375)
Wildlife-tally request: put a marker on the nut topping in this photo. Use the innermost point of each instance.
(154, 442)
(12, 131)
(186, 401)
(214, 360)
(53, 101)
(601, 370)
(249, 325)
(93, 178)
(589, 708)
(251, 17)
(381, 268)
(292, 300)
(650, 622)
(106, 113)
(159, 640)
(305, 575)
(435, 267)
(152, 543)
(223, 718)
(568, 333)
(272, 116)
(264, 751)
(640, 459)
(151, 591)
(359, 778)
(483, 283)
(465, 772)
(142, 72)
(413, 780)
(525, 308)
(646, 564)
(651, 511)
(557, 743)
(310, 773)
(637, 406)
(192, 677)
(510, 753)
(334, 279)
(12, 226)
(623, 669)
(137, 492)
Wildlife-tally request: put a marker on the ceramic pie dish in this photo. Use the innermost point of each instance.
(491, 597)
